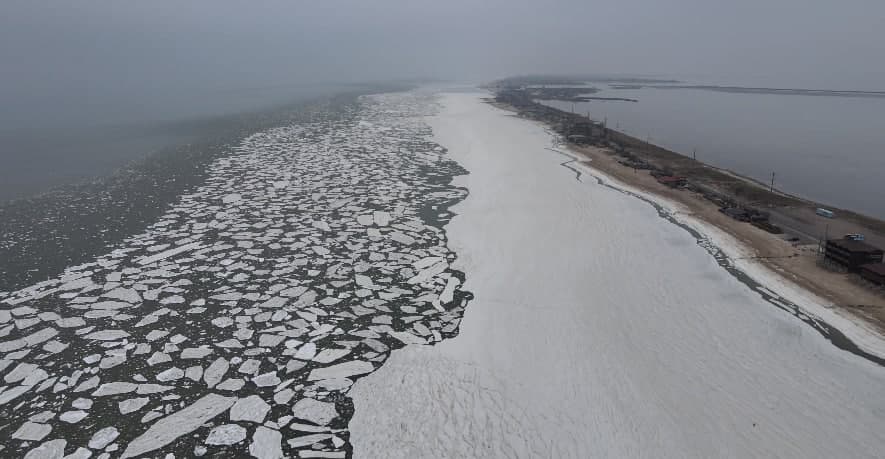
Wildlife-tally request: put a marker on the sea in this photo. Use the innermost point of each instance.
(80, 175)
(829, 149)
(53, 140)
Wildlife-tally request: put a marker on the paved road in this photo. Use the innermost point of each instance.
(810, 227)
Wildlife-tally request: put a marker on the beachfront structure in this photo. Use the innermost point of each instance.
(585, 128)
(852, 254)
(874, 273)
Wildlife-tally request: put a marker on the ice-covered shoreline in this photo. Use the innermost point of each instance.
(601, 330)
(738, 256)
(735, 255)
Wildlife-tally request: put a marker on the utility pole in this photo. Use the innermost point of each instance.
(772, 182)
(694, 154)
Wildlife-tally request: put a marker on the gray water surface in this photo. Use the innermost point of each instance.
(50, 140)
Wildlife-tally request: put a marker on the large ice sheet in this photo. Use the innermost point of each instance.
(599, 329)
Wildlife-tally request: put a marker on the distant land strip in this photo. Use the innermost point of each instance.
(786, 91)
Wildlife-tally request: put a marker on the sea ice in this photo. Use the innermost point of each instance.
(264, 251)
(107, 335)
(266, 379)
(315, 411)
(381, 218)
(266, 444)
(179, 423)
(251, 408)
(330, 355)
(233, 384)
(216, 371)
(114, 388)
(132, 405)
(323, 454)
(103, 437)
(73, 417)
(32, 431)
(195, 352)
(226, 434)
(307, 440)
(53, 449)
(231, 198)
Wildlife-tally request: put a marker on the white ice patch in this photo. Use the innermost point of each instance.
(182, 422)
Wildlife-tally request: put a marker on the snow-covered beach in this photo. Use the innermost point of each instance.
(599, 329)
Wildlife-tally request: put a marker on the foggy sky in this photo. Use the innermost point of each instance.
(153, 51)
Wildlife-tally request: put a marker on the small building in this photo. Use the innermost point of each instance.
(874, 272)
(584, 127)
(852, 254)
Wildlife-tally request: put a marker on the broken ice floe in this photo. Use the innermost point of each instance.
(237, 323)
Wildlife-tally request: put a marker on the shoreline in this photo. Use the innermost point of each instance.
(872, 223)
(817, 182)
(797, 300)
(797, 263)
(755, 252)
(596, 326)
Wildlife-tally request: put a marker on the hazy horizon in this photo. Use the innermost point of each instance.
(133, 53)
(72, 68)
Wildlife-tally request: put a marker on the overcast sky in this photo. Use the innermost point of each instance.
(146, 48)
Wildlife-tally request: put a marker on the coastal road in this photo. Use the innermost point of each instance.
(805, 223)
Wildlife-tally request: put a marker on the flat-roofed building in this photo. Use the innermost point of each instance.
(852, 254)
(874, 273)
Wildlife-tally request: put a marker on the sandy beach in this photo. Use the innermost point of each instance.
(609, 322)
